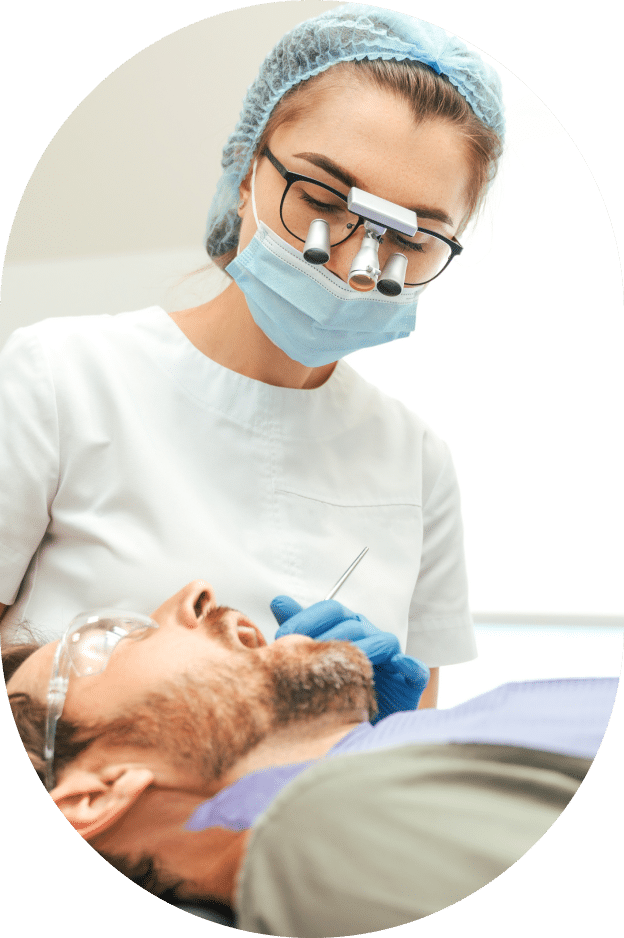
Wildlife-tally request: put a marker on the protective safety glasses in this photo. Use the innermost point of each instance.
(305, 200)
(85, 649)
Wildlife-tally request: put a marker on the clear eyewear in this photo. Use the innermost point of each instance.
(85, 649)
(305, 199)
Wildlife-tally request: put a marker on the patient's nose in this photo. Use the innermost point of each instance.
(205, 601)
(189, 606)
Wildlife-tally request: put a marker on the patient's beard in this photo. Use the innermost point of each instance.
(203, 725)
(320, 678)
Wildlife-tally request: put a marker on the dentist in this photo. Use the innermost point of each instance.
(232, 441)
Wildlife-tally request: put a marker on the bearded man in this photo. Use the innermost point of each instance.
(204, 762)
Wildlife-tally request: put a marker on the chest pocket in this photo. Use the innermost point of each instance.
(322, 538)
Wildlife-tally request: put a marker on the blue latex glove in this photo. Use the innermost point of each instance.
(399, 679)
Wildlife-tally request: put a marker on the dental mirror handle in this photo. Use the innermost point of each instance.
(346, 574)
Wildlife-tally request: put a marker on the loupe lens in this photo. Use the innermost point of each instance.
(316, 248)
(392, 277)
(365, 267)
(361, 281)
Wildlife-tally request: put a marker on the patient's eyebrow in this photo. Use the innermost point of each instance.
(348, 179)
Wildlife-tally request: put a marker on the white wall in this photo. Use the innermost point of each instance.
(134, 166)
(516, 356)
(532, 653)
(517, 361)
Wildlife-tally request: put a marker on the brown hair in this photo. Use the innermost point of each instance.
(431, 97)
(71, 739)
(30, 714)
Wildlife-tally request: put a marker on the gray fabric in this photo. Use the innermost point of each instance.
(372, 840)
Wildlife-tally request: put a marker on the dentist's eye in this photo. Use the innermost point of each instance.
(325, 207)
(415, 246)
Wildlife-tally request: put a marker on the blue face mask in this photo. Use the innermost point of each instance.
(307, 311)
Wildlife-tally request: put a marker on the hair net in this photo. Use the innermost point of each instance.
(350, 31)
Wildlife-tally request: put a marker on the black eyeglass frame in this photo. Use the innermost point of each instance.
(455, 247)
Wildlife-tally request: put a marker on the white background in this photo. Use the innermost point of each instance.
(516, 356)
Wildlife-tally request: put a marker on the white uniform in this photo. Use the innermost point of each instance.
(131, 464)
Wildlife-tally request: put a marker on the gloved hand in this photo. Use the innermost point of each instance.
(399, 679)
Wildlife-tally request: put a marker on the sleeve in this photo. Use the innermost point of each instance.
(440, 629)
(29, 458)
(370, 841)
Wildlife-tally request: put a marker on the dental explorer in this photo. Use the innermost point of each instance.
(346, 574)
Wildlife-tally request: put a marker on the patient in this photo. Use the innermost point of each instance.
(170, 761)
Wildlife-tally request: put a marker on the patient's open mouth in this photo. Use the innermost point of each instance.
(248, 635)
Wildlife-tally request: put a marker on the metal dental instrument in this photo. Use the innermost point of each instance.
(347, 573)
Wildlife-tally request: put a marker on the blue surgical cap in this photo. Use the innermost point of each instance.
(352, 31)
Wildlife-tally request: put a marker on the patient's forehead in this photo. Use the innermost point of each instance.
(33, 675)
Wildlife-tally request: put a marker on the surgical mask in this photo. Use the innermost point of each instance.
(307, 311)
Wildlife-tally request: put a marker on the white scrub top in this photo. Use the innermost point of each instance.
(131, 464)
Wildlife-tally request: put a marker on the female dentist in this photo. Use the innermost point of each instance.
(231, 440)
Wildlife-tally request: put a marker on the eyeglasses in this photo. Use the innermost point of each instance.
(305, 199)
(85, 648)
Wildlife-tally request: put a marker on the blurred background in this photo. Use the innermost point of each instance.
(516, 357)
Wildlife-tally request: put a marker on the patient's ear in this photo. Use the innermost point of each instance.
(93, 801)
